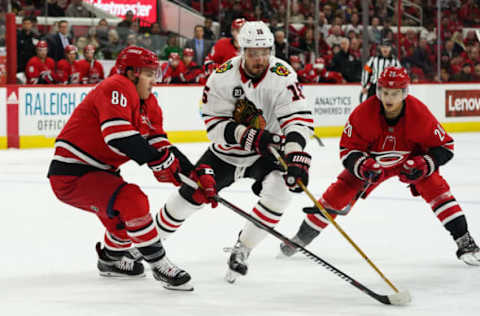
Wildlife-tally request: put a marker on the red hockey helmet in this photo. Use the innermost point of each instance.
(319, 63)
(136, 58)
(238, 23)
(41, 44)
(188, 52)
(393, 78)
(70, 49)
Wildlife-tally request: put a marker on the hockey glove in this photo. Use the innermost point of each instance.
(206, 192)
(416, 169)
(298, 163)
(371, 171)
(259, 140)
(166, 168)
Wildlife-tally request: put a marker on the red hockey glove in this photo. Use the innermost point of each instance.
(206, 192)
(298, 163)
(166, 168)
(371, 171)
(259, 140)
(416, 169)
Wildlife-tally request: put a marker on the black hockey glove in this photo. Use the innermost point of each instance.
(298, 163)
(259, 140)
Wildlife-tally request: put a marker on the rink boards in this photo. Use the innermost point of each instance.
(32, 116)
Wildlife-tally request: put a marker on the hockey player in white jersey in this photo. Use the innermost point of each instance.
(251, 102)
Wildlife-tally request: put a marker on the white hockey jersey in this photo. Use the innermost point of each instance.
(277, 93)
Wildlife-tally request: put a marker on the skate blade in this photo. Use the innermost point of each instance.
(472, 259)
(187, 287)
(119, 276)
(231, 276)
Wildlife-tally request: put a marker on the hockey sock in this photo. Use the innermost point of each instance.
(450, 214)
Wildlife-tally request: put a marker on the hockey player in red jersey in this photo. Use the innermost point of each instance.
(173, 69)
(248, 104)
(40, 69)
(120, 120)
(393, 134)
(225, 48)
(91, 71)
(68, 69)
(317, 72)
(193, 73)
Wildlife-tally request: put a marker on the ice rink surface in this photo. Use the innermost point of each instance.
(48, 262)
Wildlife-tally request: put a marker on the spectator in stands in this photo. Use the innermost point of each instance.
(465, 75)
(420, 58)
(354, 25)
(200, 46)
(26, 41)
(78, 10)
(131, 40)
(102, 33)
(53, 9)
(207, 30)
(323, 26)
(328, 11)
(158, 40)
(281, 45)
(387, 32)
(171, 47)
(307, 45)
(335, 36)
(144, 40)
(92, 38)
(444, 75)
(374, 32)
(58, 41)
(429, 33)
(296, 17)
(2, 28)
(113, 47)
(476, 74)
(231, 15)
(124, 26)
(346, 64)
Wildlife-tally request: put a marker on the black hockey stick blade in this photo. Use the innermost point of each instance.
(319, 140)
(315, 210)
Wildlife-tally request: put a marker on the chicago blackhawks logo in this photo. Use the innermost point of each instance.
(224, 67)
(280, 70)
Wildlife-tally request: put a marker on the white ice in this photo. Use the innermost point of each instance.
(48, 261)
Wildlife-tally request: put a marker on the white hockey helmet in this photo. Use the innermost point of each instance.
(255, 34)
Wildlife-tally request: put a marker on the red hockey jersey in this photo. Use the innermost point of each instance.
(91, 72)
(415, 132)
(68, 73)
(193, 73)
(222, 51)
(39, 72)
(112, 112)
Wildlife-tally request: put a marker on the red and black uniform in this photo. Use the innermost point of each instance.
(40, 72)
(91, 72)
(311, 74)
(110, 127)
(369, 134)
(223, 50)
(193, 73)
(172, 74)
(68, 72)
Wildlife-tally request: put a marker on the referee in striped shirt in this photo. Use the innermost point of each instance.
(374, 68)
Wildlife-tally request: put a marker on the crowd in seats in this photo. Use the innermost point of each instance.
(340, 35)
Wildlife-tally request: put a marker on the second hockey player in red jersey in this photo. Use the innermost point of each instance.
(91, 71)
(393, 134)
(120, 120)
(67, 69)
(40, 69)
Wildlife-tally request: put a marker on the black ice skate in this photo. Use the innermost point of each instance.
(237, 263)
(118, 264)
(304, 236)
(468, 250)
(171, 276)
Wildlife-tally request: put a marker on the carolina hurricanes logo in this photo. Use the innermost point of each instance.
(390, 158)
(146, 121)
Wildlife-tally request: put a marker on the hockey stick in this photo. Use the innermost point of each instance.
(399, 298)
(327, 215)
(319, 140)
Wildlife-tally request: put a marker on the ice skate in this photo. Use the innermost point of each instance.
(237, 263)
(118, 264)
(468, 250)
(304, 236)
(171, 276)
